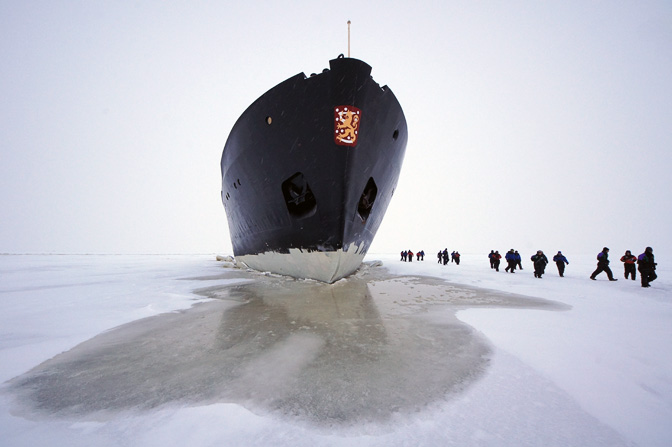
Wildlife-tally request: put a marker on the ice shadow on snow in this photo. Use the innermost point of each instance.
(357, 351)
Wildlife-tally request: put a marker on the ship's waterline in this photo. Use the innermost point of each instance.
(325, 266)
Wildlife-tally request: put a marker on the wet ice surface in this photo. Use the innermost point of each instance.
(358, 351)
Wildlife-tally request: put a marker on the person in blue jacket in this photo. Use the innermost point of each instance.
(510, 261)
(560, 260)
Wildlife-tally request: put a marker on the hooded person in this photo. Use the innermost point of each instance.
(539, 260)
(647, 267)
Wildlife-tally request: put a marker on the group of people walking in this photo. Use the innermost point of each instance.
(645, 263)
(512, 258)
(539, 260)
(407, 255)
(443, 256)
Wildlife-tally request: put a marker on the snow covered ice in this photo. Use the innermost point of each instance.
(175, 350)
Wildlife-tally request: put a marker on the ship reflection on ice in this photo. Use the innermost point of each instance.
(357, 351)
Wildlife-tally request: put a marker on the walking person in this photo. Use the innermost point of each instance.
(519, 260)
(560, 260)
(492, 262)
(438, 255)
(647, 267)
(629, 260)
(456, 256)
(410, 256)
(496, 257)
(539, 260)
(603, 265)
(510, 261)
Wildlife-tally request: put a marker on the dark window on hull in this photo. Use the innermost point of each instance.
(366, 200)
(298, 196)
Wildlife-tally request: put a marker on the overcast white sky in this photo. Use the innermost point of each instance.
(531, 124)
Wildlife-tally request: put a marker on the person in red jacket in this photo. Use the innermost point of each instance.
(495, 258)
(629, 263)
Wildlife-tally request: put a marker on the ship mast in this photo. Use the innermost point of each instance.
(348, 38)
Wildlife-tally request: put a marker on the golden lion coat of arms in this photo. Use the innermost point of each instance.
(346, 125)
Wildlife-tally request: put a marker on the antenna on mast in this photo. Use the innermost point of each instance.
(348, 38)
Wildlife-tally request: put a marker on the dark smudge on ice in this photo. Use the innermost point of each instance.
(358, 351)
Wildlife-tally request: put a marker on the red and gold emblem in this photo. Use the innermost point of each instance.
(346, 125)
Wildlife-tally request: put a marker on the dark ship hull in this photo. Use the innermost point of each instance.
(309, 169)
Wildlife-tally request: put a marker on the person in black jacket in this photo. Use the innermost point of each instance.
(519, 260)
(539, 260)
(647, 267)
(603, 265)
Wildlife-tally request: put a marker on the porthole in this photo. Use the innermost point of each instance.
(269, 120)
(395, 134)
